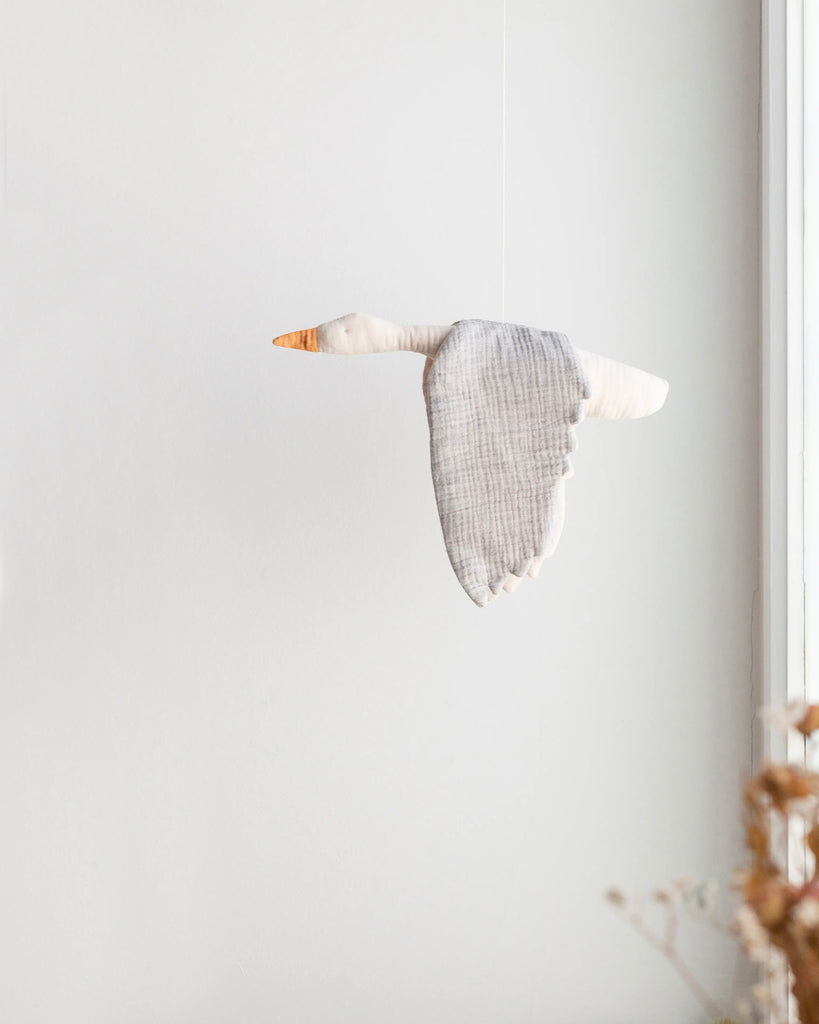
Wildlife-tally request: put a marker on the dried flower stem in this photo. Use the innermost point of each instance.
(668, 949)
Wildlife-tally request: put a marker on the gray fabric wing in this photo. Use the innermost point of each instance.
(502, 401)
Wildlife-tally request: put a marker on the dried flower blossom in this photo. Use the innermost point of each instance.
(804, 807)
(616, 897)
(809, 722)
(751, 934)
(744, 1009)
(787, 718)
(701, 897)
(782, 784)
(806, 912)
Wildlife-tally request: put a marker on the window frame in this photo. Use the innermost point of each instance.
(789, 479)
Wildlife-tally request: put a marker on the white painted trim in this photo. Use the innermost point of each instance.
(810, 270)
(773, 320)
(773, 405)
(795, 348)
(790, 361)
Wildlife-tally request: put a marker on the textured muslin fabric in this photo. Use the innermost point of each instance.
(502, 401)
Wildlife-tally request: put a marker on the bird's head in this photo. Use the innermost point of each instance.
(354, 334)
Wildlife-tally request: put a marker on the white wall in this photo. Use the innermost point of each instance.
(260, 758)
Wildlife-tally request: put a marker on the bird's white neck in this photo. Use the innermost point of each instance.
(359, 333)
(421, 338)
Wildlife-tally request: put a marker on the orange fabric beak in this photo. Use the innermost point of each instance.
(307, 341)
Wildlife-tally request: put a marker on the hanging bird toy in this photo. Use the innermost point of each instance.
(502, 403)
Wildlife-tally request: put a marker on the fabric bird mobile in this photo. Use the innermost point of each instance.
(502, 403)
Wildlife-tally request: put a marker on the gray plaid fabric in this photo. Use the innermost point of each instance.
(502, 401)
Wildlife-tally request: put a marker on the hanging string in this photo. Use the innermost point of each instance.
(503, 169)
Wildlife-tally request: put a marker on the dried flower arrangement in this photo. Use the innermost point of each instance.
(683, 899)
(777, 924)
